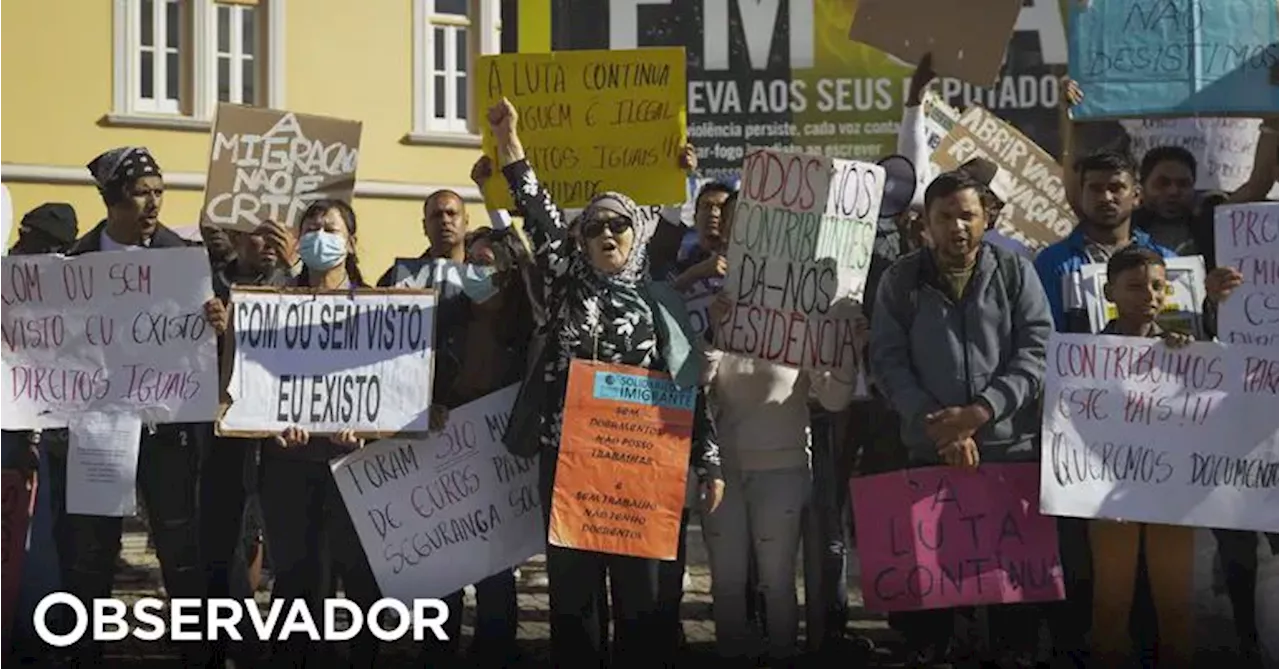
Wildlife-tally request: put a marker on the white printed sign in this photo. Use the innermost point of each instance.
(1134, 430)
(801, 243)
(1183, 307)
(1223, 147)
(330, 361)
(121, 331)
(268, 165)
(1247, 240)
(437, 514)
(102, 464)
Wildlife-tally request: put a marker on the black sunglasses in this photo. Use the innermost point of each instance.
(594, 228)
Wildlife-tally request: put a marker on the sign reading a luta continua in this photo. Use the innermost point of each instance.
(268, 165)
(330, 361)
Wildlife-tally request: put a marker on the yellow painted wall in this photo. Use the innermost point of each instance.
(342, 59)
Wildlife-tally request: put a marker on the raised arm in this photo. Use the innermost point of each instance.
(543, 222)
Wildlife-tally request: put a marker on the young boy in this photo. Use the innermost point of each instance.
(1137, 285)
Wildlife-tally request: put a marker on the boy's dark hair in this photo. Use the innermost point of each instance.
(1132, 257)
(955, 181)
(1162, 154)
(713, 187)
(1107, 161)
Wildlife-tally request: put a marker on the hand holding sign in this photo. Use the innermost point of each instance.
(1219, 283)
(216, 313)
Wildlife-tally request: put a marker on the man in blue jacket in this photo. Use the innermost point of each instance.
(958, 350)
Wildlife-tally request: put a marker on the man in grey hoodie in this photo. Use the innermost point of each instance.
(958, 349)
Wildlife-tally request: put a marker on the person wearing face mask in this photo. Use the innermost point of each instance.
(603, 306)
(309, 532)
(228, 467)
(958, 349)
(481, 350)
(132, 188)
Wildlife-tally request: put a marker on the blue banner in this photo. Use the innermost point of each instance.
(642, 390)
(1173, 57)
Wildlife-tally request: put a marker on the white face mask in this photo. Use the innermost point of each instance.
(322, 250)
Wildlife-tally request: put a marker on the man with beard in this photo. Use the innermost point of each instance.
(958, 350)
(132, 188)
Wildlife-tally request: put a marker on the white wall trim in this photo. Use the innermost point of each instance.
(277, 20)
(79, 176)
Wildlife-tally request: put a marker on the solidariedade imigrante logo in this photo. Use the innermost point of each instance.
(642, 390)
(186, 619)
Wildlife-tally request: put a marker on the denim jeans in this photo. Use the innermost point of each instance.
(312, 540)
(168, 481)
(763, 508)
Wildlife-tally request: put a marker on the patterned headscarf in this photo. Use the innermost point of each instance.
(643, 228)
(118, 167)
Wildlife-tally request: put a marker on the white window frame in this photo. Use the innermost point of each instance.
(236, 52)
(483, 28)
(200, 53)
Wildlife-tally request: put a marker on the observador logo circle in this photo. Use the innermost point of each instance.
(230, 619)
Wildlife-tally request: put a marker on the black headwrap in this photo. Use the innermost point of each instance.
(117, 168)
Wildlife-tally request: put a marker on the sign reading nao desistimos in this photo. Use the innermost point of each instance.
(801, 242)
(1135, 430)
(111, 332)
(440, 513)
(269, 165)
(330, 361)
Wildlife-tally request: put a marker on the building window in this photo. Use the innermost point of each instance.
(179, 58)
(236, 56)
(448, 36)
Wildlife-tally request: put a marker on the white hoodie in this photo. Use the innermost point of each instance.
(761, 409)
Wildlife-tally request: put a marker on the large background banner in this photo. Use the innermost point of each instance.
(785, 73)
(1134, 430)
(113, 332)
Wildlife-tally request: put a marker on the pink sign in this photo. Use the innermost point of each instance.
(941, 537)
(16, 507)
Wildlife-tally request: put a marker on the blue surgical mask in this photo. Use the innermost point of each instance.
(322, 250)
(475, 281)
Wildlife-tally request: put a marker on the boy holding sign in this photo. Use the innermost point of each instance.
(1136, 283)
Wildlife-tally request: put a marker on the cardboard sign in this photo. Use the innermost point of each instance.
(1247, 238)
(623, 463)
(120, 331)
(967, 40)
(1035, 213)
(268, 165)
(19, 503)
(329, 361)
(942, 537)
(1173, 58)
(802, 236)
(1134, 430)
(592, 121)
(440, 513)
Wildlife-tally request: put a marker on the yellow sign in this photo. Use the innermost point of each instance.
(592, 121)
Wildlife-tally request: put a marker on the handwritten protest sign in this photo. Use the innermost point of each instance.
(624, 461)
(1247, 237)
(967, 40)
(18, 505)
(943, 537)
(1183, 305)
(593, 121)
(113, 332)
(698, 301)
(1035, 213)
(801, 243)
(329, 361)
(440, 513)
(1223, 147)
(1134, 430)
(268, 165)
(1173, 57)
